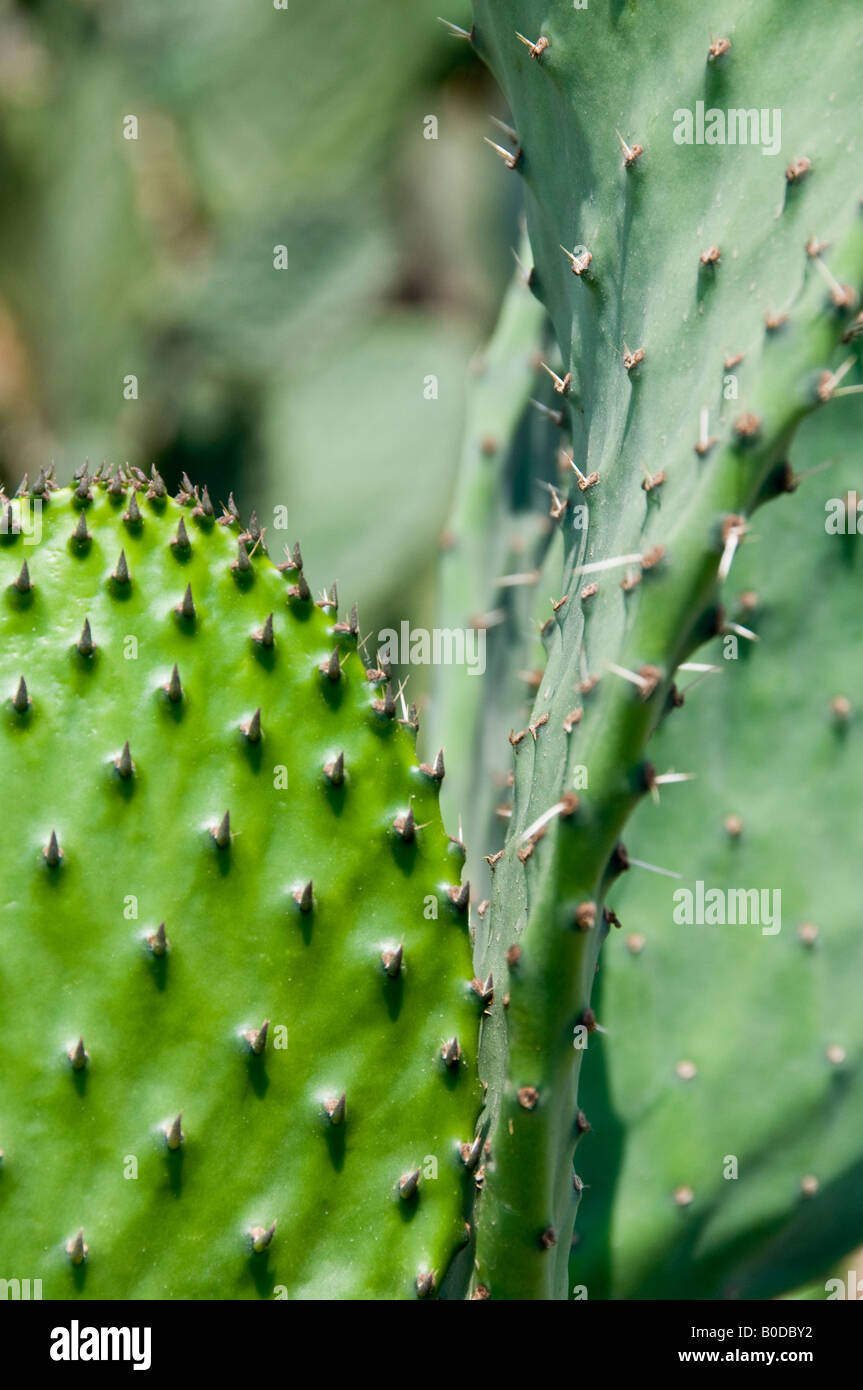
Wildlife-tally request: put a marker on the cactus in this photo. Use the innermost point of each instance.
(250, 1045)
(492, 531)
(699, 328)
(725, 1043)
(239, 1054)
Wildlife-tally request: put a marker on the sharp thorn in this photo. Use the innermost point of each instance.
(52, 851)
(252, 729)
(124, 764)
(174, 1133)
(221, 833)
(392, 961)
(335, 770)
(174, 689)
(158, 941)
(409, 1183)
(76, 1248)
(21, 699)
(257, 1037)
(336, 1109)
(304, 897)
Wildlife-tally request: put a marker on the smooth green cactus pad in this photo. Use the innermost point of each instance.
(234, 957)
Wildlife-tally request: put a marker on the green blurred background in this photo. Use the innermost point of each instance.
(257, 127)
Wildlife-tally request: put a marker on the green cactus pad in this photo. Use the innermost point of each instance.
(700, 297)
(213, 822)
(723, 1041)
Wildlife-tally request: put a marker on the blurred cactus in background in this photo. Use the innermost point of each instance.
(154, 159)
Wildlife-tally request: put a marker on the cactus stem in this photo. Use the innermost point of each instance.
(174, 1133)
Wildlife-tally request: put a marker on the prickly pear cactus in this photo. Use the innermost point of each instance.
(700, 293)
(726, 1157)
(238, 1050)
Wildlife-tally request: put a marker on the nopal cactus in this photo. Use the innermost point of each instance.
(700, 316)
(238, 1054)
(251, 1053)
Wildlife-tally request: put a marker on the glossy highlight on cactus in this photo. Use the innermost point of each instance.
(234, 984)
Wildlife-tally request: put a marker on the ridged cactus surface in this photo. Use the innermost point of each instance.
(700, 295)
(234, 961)
(725, 1158)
